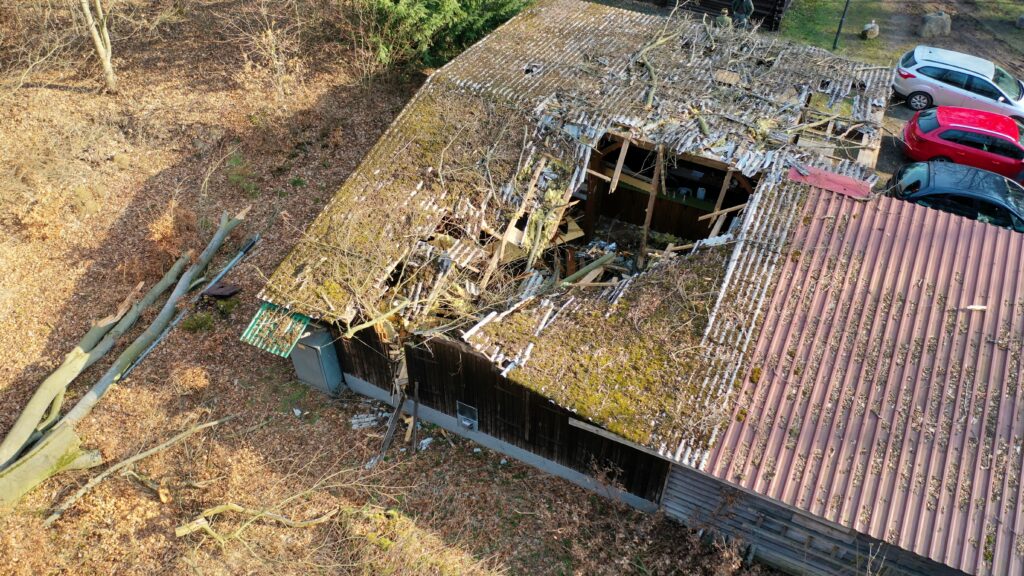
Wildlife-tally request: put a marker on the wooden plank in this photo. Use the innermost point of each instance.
(708, 162)
(711, 215)
(721, 193)
(717, 229)
(659, 177)
(618, 166)
(640, 183)
(604, 177)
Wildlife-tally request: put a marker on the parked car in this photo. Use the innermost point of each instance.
(973, 137)
(962, 190)
(929, 77)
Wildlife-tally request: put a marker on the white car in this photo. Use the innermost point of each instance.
(929, 77)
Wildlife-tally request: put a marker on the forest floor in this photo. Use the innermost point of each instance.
(101, 191)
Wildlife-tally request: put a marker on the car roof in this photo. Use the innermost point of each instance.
(979, 66)
(949, 177)
(978, 119)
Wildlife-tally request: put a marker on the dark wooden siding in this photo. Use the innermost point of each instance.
(768, 12)
(365, 356)
(448, 372)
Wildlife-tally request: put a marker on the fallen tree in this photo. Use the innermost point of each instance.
(39, 445)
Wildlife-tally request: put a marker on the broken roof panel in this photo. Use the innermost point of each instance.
(549, 83)
(884, 392)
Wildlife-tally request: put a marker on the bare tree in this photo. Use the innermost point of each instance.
(97, 24)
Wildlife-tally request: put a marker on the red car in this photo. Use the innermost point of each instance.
(972, 137)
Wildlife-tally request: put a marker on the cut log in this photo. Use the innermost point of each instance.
(86, 404)
(58, 451)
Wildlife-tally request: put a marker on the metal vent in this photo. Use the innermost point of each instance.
(467, 414)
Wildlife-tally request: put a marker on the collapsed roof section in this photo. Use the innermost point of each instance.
(543, 89)
(462, 221)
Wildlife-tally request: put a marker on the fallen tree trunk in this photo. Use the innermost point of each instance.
(43, 408)
(59, 449)
(113, 374)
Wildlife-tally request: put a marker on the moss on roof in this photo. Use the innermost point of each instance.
(627, 365)
(446, 155)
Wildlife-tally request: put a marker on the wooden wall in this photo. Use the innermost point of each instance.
(448, 372)
(366, 357)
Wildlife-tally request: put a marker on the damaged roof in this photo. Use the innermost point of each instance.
(505, 132)
(548, 84)
(854, 358)
(885, 388)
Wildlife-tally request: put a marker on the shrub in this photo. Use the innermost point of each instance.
(432, 32)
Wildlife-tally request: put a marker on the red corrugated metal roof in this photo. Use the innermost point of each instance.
(884, 392)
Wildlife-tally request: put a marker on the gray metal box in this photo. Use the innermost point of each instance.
(316, 361)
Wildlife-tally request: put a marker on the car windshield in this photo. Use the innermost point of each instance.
(913, 177)
(1015, 196)
(1007, 83)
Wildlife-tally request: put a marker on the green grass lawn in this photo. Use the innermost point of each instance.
(814, 22)
(1001, 18)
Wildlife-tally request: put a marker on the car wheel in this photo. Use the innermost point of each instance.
(940, 159)
(919, 101)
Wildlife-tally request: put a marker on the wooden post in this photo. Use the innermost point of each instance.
(721, 193)
(595, 191)
(659, 177)
(618, 166)
(415, 414)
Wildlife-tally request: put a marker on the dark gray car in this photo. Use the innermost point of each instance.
(962, 190)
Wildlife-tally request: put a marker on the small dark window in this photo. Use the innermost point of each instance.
(994, 214)
(927, 120)
(983, 88)
(908, 60)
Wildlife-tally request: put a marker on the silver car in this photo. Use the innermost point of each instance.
(929, 76)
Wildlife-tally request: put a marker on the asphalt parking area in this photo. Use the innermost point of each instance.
(891, 157)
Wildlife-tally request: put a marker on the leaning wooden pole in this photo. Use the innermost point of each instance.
(59, 449)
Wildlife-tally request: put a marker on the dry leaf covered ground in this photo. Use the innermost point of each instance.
(99, 192)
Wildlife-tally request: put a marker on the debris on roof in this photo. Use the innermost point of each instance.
(465, 220)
